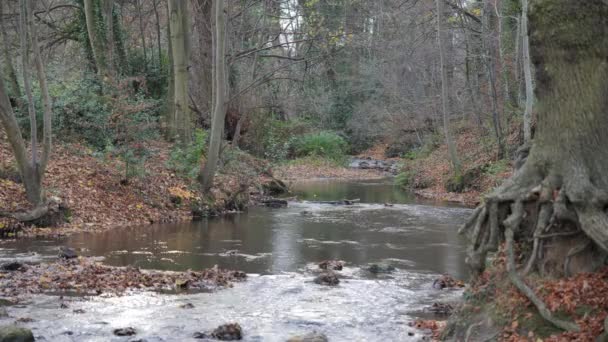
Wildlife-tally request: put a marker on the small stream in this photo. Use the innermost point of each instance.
(279, 248)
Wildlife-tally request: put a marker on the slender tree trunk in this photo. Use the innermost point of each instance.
(8, 60)
(158, 36)
(108, 6)
(46, 98)
(179, 26)
(25, 19)
(170, 130)
(490, 63)
(142, 32)
(527, 73)
(97, 45)
(219, 111)
(445, 91)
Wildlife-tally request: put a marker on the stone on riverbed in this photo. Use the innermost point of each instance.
(379, 268)
(327, 278)
(310, 337)
(14, 334)
(335, 265)
(226, 332)
(447, 281)
(67, 253)
(443, 309)
(125, 331)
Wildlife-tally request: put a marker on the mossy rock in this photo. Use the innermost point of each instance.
(15, 334)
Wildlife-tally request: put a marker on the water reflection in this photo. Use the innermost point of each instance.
(270, 241)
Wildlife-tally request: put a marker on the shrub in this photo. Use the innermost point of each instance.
(403, 179)
(323, 144)
(186, 161)
(81, 112)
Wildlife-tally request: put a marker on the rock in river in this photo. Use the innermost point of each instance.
(447, 281)
(226, 332)
(310, 337)
(335, 265)
(327, 278)
(376, 268)
(125, 332)
(15, 334)
(67, 253)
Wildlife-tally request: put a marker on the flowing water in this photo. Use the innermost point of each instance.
(279, 248)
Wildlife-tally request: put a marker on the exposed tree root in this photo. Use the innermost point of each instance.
(27, 216)
(504, 216)
(512, 223)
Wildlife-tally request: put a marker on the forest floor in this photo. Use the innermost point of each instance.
(96, 195)
(482, 170)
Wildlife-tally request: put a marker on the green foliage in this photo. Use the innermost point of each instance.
(269, 138)
(323, 144)
(404, 179)
(495, 168)
(81, 112)
(186, 161)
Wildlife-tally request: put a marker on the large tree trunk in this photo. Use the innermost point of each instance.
(445, 97)
(557, 198)
(178, 14)
(219, 111)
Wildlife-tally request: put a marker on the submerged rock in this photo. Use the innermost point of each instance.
(310, 337)
(67, 253)
(447, 281)
(327, 278)
(441, 309)
(378, 268)
(125, 331)
(226, 332)
(335, 265)
(15, 334)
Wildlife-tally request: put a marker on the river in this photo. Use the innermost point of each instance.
(279, 249)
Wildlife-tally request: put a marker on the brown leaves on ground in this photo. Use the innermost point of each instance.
(434, 170)
(436, 327)
(91, 188)
(86, 276)
(583, 298)
(316, 168)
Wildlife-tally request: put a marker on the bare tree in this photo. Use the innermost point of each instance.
(445, 97)
(30, 167)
